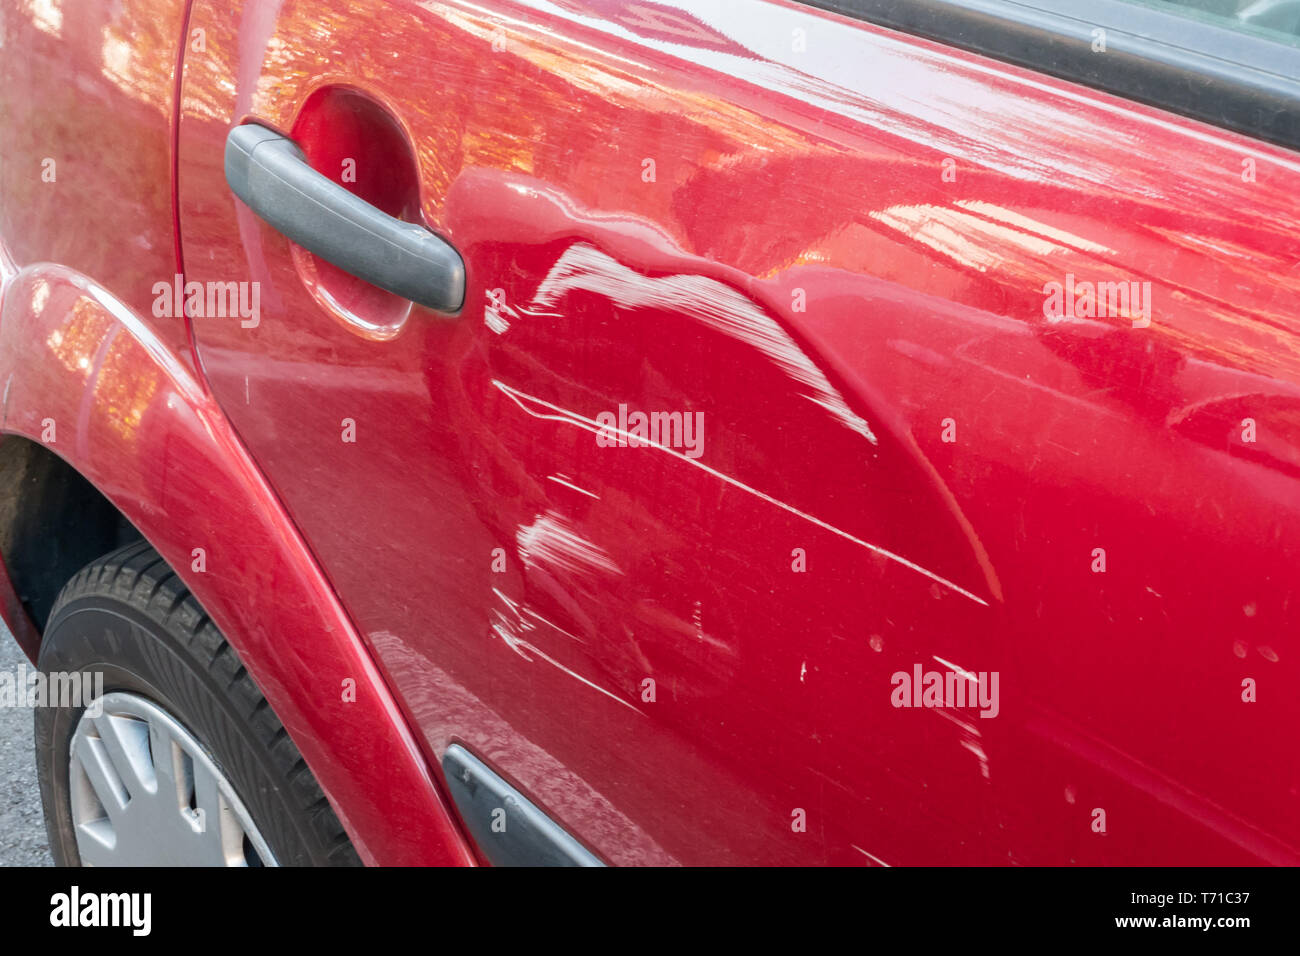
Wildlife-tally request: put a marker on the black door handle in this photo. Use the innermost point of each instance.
(271, 175)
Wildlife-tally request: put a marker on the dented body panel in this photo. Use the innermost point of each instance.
(908, 457)
(979, 379)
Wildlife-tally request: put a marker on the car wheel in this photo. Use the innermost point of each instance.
(176, 758)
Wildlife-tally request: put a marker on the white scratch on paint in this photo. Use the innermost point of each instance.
(522, 399)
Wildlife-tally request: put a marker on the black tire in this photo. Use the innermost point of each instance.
(128, 616)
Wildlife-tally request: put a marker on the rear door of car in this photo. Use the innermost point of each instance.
(814, 255)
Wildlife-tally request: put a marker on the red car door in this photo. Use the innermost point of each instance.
(759, 418)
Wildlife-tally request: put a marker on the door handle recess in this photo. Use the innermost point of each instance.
(271, 175)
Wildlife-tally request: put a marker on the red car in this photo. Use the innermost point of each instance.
(587, 432)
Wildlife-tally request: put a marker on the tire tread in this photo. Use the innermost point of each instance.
(138, 575)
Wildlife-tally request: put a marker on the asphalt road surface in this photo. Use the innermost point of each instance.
(22, 825)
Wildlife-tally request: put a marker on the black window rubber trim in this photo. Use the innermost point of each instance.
(1216, 74)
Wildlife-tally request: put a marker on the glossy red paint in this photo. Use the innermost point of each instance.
(801, 273)
(117, 382)
(143, 432)
(840, 261)
(146, 435)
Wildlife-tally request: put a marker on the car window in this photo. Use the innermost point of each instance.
(1232, 63)
(1276, 20)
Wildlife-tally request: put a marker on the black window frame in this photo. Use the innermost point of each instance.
(1228, 78)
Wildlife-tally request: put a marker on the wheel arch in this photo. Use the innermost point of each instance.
(87, 384)
(53, 522)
